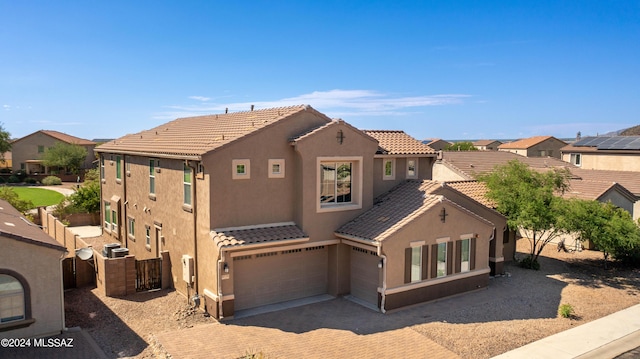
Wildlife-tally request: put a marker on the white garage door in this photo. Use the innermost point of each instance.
(364, 275)
(279, 276)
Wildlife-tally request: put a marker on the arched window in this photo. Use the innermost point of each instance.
(12, 303)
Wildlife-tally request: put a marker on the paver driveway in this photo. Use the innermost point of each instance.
(332, 329)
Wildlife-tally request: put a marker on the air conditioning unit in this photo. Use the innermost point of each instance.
(187, 268)
(119, 252)
(108, 248)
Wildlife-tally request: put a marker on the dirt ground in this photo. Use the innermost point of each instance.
(516, 309)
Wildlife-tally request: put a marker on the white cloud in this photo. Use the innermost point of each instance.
(200, 98)
(6, 107)
(334, 103)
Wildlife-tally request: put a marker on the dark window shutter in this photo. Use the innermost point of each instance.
(449, 257)
(434, 260)
(472, 254)
(458, 256)
(407, 265)
(425, 262)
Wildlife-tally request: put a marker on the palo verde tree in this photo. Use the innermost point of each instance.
(528, 200)
(610, 228)
(65, 155)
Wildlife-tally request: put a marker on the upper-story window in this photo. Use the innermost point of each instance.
(465, 255)
(118, 167)
(412, 168)
(441, 267)
(102, 167)
(186, 181)
(107, 215)
(241, 169)
(389, 169)
(40, 149)
(276, 168)
(152, 176)
(576, 159)
(339, 183)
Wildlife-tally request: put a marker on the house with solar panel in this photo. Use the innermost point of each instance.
(248, 209)
(612, 153)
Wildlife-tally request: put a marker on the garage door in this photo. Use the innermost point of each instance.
(278, 276)
(364, 275)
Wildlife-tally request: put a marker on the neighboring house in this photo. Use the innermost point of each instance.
(31, 294)
(539, 146)
(487, 145)
(617, 153)
(436, 143)
(27, 151)
(7, 160)
(627, 179)
(254, 208)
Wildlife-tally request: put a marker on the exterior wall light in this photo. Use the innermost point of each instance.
(380, 264)
(225, 267)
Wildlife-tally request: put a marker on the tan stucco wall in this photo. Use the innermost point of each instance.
(41, 268)
(443, 173)
(607, 161)
(382, 185)
(26, 148)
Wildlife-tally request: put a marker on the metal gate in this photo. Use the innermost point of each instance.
(148, 274)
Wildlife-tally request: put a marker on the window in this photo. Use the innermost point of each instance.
(131, 228)
(186, 181)
(118, 167)
(147, 237)
(389, 169)
(12, 299)
(240, 169)
(416, 264)
(276, 168)
(339, 183)
(127, 164)
(40, 149)
(102, 168)
(465, 255)
(576, 159)
(114, 221)
(412, 168)
(152, 177)
(441, 268)
(107, 215)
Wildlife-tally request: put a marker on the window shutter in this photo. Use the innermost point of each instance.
(407, 265)
(425, 262)
(458, 256)
(434, 260)
(449, 257)
(472, 254)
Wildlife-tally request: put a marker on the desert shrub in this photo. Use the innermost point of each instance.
(566, 310)
(529, 262)
(30, 180)
(51, 181)
(13, 179)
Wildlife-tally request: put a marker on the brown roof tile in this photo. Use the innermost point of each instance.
(628, 179)
(399, 143)
(14, 225)
(525, 143)
(243, 237)
(473, 189)
(592, 190)
(395, 209)
(61, 137)
(195, 136)
(485, 142)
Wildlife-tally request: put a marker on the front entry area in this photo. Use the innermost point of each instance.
(278, 276)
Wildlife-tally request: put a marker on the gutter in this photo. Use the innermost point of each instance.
(384, 278)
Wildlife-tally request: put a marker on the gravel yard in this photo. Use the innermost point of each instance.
(516, 309)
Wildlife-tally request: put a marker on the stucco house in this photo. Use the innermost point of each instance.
(487, 145)
(266, 206)
(612, 153)
(31, 293)
(27, 151)
(538, 146)
(437, 143)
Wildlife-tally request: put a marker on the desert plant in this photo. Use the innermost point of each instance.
(51, 181)
(13, 179)
(566, 310)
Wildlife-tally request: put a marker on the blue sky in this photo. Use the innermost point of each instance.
(446, 69)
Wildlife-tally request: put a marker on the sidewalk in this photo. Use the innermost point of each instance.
(606, 337)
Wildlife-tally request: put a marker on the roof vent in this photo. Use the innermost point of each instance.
(226, 110)
(251, 107)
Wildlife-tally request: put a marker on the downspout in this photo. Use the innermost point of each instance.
(64, 324)
(219, 278)
(124, 205)
(384, 277)
(194, 207)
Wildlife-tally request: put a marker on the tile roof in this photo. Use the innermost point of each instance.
(485, 142)
(14, 225)
(593, 190)
(195, 136)
(628, 179)
(470, 163)
(61, 137)
(473, 189)
(243, 237)
(395, 209)
(399, 143)
(526, 142)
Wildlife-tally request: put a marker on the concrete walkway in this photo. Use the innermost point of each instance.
(607, 337)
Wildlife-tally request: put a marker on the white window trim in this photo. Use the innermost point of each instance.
(247, 169)
(392, 176)
(573, 157)
(279, 162)
(446, 249)
(356, 184)
(415, 175)
(468, 261)
(419, 266)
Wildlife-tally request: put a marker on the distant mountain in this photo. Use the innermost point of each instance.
(633, 131)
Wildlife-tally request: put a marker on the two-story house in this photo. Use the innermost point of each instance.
(538, 146)
(611, 153)
(265, 206)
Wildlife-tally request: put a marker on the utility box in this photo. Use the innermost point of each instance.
(187, 268)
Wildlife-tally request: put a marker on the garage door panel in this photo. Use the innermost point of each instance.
(280, 276)
(364, 275)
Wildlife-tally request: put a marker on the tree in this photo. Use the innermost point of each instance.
(9, 195)
(461, 146)
(610, 228)
(5, 142)
(66, 155)
(87, 197)
(528, 199)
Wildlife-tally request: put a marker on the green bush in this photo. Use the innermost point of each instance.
(529, 262)
(51, 181)
(30, 180)
(566, 310)
(5, 170)
(13, 179)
